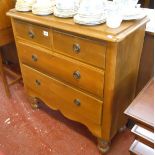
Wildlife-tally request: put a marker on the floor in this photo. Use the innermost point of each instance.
(24, 131)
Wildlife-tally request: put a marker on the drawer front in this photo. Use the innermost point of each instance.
(65, 69)
(31, 32)
(71, 102)
(89, 51)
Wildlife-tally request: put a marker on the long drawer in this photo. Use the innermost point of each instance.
(71, 102)
(78, 74)
(34, 33)
(86, 50)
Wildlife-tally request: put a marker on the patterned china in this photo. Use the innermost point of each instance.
(45, 7)
(129, 9)
(90, 13)
(65, 9)
(24, 5)
(85, 12)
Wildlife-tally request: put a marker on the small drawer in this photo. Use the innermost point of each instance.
(71, 71)
(143, 135)
(138, 148)
(72, 103)
(89, 51)
(32, 32)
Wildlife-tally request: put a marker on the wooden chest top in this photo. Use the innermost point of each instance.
(101, 32)
(142, 108)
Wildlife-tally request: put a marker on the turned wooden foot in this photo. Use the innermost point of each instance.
(103, 145)
(34, 102)
(123, 128)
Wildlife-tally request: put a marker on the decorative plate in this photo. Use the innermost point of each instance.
(62, 14)
(134, 17)
(88, 21)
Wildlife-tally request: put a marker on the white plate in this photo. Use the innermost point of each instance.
(23, 9)
(97, 16)
(88, 21)
(42, 13)
(64, 10)
(134, 17)
(63, 14)
(134, 14)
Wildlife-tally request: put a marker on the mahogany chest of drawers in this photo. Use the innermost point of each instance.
(141, 110)
(87, 73)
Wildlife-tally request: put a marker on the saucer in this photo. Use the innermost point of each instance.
(134, 14)
(41, 8)
(95, 16)
(63, 13)
(23, 8)
(23, 5)
(89, 21)
(42, 12)
(135, 17)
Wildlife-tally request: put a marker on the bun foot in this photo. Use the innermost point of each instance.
(103, 146)
(34, 103)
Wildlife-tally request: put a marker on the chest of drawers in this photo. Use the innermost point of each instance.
(141, 110)
(87, 73)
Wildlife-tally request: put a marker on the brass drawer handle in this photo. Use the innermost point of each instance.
(77, 102)
(31, 34)
(77, 75)
(38, 83)
(76, 48)
(34, 58)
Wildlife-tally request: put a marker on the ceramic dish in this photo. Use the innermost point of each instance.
(42, 13)
(24, 5)
(97, 16)
(64, 14)
(90, 8)
(134, 14)
(23, 8)
(65, 4)
(135, 17)
(43, 7)
(88, 21)
(65, 10)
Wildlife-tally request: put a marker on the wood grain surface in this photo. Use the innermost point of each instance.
(108, 63)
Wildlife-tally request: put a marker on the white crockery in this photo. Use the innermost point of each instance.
(64, 13)
(90, 8)
(24, 5)
(43, 7)
(114, 16)
(65, 4)
(88, 21)
(90, 13)
(65, 8)
(135, 14)
(114, 21)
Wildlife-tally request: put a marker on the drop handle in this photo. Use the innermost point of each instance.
(34, 58)
(31, 34)
(76, 48)
(77, 102)
(77, 75)
(38, 83)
